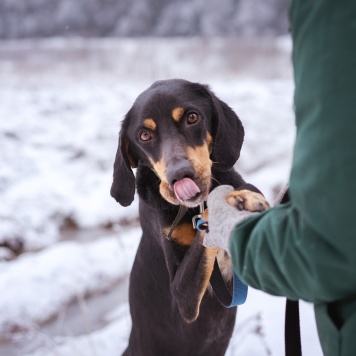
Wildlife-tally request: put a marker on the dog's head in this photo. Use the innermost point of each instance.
(179, 129)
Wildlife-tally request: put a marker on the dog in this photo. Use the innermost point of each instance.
(184, 142)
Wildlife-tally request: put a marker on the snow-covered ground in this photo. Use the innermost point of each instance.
(66, 247)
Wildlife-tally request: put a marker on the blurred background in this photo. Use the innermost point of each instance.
(69, 71)
(104, 18)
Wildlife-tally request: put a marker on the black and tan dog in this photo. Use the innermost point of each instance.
(184, 142)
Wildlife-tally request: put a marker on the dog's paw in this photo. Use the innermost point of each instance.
(247, 200)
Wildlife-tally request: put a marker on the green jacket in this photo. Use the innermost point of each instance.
(306, 249)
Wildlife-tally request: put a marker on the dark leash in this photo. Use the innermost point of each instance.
(293, 345)
(228, 299)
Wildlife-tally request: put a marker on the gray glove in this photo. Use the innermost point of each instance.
(222, 218)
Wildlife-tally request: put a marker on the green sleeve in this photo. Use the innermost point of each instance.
(306, 249)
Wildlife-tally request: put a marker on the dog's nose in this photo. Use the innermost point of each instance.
(178, 171)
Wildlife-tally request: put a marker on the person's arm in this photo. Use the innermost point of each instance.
(306, 249)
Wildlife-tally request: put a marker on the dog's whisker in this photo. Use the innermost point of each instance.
(213, 178)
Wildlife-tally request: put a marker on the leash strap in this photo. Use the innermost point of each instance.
(222, 292)
(292, 329)
(181, 213)
(293, 345)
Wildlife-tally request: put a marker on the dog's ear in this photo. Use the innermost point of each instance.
(228, 135)
(123, 186)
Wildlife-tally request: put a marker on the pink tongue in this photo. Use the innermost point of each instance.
(185, 189)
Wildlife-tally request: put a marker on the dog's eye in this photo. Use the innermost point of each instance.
(145, 135)
(192, 118)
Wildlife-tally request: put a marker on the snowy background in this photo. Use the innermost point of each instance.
(66, 247)
(98, 18)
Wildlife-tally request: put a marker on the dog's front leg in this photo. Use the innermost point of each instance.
(190, 277)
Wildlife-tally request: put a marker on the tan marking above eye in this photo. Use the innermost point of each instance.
(150, 124)
(177, 113)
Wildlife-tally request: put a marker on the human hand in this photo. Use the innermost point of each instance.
(225, 204)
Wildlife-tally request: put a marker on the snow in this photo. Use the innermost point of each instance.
(56, 165)
(60, 110)
(111, 340)
(259, 331)
(61, 273)
(59, 145)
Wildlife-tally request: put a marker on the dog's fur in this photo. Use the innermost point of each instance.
(178, 129)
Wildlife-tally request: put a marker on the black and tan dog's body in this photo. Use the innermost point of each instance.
(184, 142)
